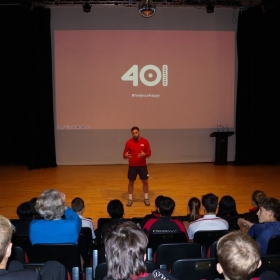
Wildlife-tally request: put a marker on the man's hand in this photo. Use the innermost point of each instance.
(142, 154)
(127, 155)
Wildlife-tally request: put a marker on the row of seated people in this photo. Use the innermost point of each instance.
(238, 257)
(52, 228)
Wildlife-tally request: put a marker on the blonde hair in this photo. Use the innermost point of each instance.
(238, 255)
(6, 232)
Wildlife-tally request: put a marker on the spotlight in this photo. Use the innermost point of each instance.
(147, 8)
(86, 7)
(210, 8)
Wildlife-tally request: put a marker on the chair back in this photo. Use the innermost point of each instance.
(22, 241)
(273, 246)
(156, 239)
(137, 220)
(167, 254)
(206, 238)
(18, 254)
(194, 269)
(68, 254)
(102, 221)
(269, 262)
(30, 274)
(88, 234)
(101, 269)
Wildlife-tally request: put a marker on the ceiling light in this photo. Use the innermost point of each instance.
(147, 8)
(210, 8)
(86, 7)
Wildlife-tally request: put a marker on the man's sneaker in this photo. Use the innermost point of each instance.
(129, 203)
(147, 201)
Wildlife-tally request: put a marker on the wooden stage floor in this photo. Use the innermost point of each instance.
(98, 184)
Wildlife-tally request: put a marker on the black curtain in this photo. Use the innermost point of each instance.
(26, 106)
(258, 90)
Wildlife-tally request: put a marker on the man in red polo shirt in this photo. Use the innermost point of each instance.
(136, 150)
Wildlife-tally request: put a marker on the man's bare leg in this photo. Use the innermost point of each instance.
(130, 192)
(146, 192)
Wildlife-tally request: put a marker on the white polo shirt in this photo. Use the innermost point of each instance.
(208, 222)
(88, 223)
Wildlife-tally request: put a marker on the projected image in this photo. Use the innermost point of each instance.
(155, 79)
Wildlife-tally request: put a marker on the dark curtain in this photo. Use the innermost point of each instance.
(258, 90)
(26, 106)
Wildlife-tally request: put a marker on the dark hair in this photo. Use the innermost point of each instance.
(26, 210)
(273, 204)
(77, 204)
(194, 206)
(158, 200)
(166, 206)
(115, 209)
(134, 127)
(210, 202)
(125, 247)
(227, 207)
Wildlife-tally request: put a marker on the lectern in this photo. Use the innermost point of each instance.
(221, 146)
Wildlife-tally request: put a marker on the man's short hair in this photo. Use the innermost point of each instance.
(6, 232)
(77, 204)
(125, 248)
(166, 206)
(26, 210)
(210, 202)
(134, 128)
(272, 204)
(115, 209)
(238, 255)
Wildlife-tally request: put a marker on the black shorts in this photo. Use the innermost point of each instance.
(134, 170)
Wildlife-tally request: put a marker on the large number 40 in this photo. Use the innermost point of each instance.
(132, 75)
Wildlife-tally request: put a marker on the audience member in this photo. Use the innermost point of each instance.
(257, 197)
(155, 213)
(268, 213)
(33, 202)
(78, 206)
(25, 212)
(52, 270)
(238, 256)
(165, 223)
(125, 248)
(116, 211)
(53, 229)
(193, 208)
(227, 211)
(209, 221)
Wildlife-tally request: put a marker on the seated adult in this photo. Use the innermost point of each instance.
(164, 223)
(52, 228)
(116, 211)
(239, 257)
(256, 198)
(78, 206)
(209, 221)
(50, 271)
(268, 213)
(125, 248)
